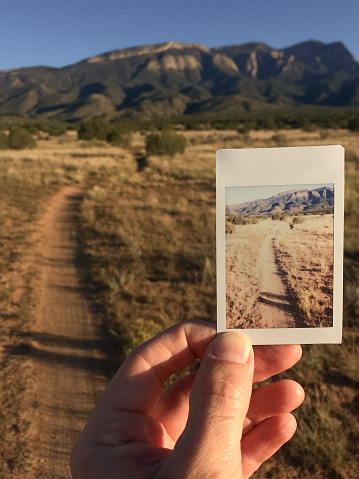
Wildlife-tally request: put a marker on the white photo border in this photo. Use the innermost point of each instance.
(281, 166)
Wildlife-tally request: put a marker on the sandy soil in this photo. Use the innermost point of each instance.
(275, 306)
(67, 349)
(257, 297)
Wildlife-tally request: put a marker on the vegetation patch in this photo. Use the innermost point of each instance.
(165, 143)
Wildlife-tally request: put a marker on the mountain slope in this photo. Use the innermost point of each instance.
(177, 79)
(292, 201)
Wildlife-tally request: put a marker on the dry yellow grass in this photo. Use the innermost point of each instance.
(305, 255)
(150, 239)
(243, 278)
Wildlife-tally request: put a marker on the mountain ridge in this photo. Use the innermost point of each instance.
(291, 202)
(172, 78)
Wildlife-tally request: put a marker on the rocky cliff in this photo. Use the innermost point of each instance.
(291, 201)
(177, 79)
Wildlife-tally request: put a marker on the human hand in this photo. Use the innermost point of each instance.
(209, 424)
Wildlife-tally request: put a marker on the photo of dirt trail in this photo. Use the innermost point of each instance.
(279, 261)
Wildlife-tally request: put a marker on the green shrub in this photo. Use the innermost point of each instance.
(52, 127)
(353, 124)
(166, 143)
(20, 138)
(119, 136)
(134, 333)
(244, 220)
(94, 129)
(4, 141)
(243, 129)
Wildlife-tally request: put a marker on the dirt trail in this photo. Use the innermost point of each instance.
(67, 349)
(275, 307)
(256, 294)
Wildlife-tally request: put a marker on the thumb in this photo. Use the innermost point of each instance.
(219, 403)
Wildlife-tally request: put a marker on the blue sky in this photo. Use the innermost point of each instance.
(58, 33)
(235, 195)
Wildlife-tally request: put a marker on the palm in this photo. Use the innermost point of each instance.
(136, 427)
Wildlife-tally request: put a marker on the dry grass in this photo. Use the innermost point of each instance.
(243, 278)
(151, 250)
(149, 237)
(305, 256)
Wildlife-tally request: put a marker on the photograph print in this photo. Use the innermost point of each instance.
(279, 249)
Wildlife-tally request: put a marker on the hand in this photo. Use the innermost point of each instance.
(209, 424)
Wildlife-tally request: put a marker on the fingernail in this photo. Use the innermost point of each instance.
(234, 347)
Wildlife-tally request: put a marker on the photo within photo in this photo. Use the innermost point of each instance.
(279, 244)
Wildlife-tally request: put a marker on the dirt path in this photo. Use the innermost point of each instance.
(256, 294)
(67, 350)
(275, 307)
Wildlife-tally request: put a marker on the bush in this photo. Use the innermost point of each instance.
(229, 228)
(244, 220)
(353, 124)
(304, 301)
(136, 332)
(52, 127)
(20, 138)
(297, 220)
(96, 128)
(119, 136)
(280, 140)
(243, 129)
(4, 141)
(166, 143)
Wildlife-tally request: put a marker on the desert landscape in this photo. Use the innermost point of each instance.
(280, 274)
(100, 252)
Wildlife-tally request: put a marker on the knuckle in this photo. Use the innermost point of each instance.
(222, 389)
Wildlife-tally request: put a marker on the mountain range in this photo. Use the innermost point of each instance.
(175, 79)
(292, 201)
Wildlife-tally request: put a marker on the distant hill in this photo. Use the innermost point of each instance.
(172, 79)
(293, 201)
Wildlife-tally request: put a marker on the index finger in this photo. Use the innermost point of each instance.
(138, 384)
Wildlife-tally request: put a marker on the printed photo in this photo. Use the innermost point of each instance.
(279, 256)
(279, 230)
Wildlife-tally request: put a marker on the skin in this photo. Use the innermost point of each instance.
(210, 424)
